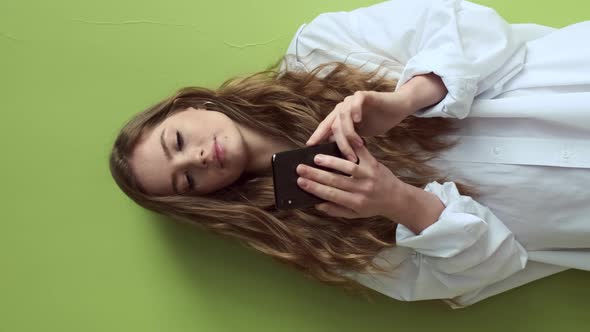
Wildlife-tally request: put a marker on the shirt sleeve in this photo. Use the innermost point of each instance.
(467, 249)
(462, 42)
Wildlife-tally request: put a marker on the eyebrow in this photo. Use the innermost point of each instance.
(168, 156)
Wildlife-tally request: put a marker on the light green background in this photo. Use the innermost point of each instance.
(77, 255)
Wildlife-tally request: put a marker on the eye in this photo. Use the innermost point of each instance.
(190, 181)
(179, 141)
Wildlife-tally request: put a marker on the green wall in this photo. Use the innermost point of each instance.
(77, 255)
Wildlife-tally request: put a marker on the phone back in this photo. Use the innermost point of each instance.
(288, 195)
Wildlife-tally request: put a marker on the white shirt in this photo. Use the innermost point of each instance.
(521, 95)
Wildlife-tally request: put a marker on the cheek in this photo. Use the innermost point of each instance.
(238, 146)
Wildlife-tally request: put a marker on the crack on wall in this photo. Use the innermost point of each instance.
(131, 22)
(242, 46)
(7, 36)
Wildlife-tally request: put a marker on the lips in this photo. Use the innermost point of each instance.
(219, 153)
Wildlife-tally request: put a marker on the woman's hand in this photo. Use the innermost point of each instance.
(366, 113)
(372, 189)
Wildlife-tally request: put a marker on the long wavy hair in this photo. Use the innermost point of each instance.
(290, 104)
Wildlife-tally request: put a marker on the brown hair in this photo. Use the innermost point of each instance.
(291, 104)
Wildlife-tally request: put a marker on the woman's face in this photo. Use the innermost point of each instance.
(179, 155)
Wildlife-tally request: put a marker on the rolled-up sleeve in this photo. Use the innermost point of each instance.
(467, 249)
(462, 42)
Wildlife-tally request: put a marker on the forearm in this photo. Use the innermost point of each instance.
(415, 208)
(422, 91)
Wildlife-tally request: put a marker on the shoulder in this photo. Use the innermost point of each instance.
(349, 27)
(323, 32)
(292, 49)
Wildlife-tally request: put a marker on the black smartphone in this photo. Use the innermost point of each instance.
(288, 195)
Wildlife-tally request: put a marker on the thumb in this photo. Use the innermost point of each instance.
(362, 152)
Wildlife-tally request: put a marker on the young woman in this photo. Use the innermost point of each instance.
(472, 178)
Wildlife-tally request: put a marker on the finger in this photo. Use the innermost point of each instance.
(327, 178)
(326, 193)
(322, 131)
(363, 153)
(349, 132)
(357, 107)
(339, 164)
(342, 141)
(335, 210)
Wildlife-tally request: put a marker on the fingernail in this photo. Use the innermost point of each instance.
(318, 159)
(359, 142)
(302, 182)
(300, 169)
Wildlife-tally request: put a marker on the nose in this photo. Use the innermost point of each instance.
(192, 158)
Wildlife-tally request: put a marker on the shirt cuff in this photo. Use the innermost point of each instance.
(452, 233)
(460, 84)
